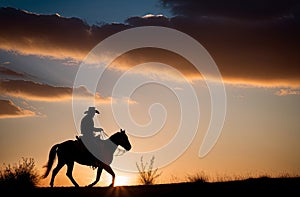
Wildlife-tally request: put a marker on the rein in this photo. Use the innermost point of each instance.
(120, 151)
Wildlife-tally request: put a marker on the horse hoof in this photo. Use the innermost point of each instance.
(111, 185)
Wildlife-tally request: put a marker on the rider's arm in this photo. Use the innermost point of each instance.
(98, 129)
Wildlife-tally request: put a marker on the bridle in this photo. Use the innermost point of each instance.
(120, 151)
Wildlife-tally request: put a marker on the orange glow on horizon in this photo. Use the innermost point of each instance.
(122, 181)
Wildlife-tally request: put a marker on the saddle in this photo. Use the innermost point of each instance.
(80, 145)
(84, 151)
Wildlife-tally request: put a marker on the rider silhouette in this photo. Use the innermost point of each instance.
(87, 124)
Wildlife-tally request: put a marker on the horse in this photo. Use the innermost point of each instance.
(71, 151)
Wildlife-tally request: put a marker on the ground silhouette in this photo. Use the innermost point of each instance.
(248, 187)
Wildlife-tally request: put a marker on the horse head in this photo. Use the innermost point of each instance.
(120, 138)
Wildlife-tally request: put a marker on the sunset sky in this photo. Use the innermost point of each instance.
(255, 45)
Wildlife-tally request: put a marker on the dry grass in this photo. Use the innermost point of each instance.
(147, 175)
(199, 177)
(202, 177)
(20, 175)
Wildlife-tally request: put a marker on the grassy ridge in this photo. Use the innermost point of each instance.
(252, 186)
(22, 178)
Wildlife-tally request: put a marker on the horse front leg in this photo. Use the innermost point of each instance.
(108, 169)
(99, 171)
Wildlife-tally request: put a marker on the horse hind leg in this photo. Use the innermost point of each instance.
(70, 166)
(55, 171)
(99, 171)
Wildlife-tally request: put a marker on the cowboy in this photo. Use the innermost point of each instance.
(87, 124)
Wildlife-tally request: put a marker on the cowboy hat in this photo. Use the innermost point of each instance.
(92, 110)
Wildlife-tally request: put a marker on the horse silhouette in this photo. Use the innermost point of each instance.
(71, 151)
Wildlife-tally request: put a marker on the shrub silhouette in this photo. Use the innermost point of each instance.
(199, 177)
(148, 175)
(21, 175)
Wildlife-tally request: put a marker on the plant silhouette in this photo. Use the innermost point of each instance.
(21, 175)
(148, 175)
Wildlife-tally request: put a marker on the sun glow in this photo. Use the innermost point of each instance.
(121, 180)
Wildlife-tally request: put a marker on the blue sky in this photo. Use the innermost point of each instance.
(92, 11)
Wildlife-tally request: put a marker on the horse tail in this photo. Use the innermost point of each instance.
(52, 156)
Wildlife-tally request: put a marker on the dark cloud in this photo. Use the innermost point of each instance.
(142, 55)
(10, 110)
(50, 35)
(155, 20)
(6, 72)
(263, 52)
(245, 9)
(30, 90)
(33, 91)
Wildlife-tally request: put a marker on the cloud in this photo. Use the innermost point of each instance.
(285, 92)
(258, 53)
(248, 9)
(149, 54)
(50, 35)
(249, 71)
(148, 20)
(262, 52)
(10, 110)
(5, 72)
(33, 91)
